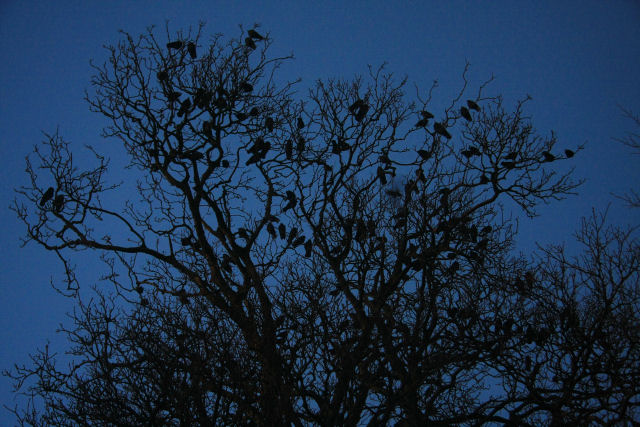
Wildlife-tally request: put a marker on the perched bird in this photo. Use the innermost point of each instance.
(440, 129)
(508, 165)
(473, 105)
(486, 229)
(362, 112)
(300, 240)
(175, 45)
(511, 156)
(283, 231)
(467, 153)
(381, 175)
(291, 198)
(162, 75)
(242, 232)
(569, 153)
(250, 43)
(255, 35)
(46, 196)
(269, 124)
(241, 116)
(184, 107)
(288, 149)
(353, 108)
(254, 111)
(301, 144)
(426, 115)
(422, 123)
(308, 246)
(548, 157)
(246, 87)
(225, 163)
(464, 111)
(424, 154)
(271, 229)
(292, 235)
(484, 179)
(300, 123)
(185, 241)
(394, 193)
(58, 202)
(173, 96)
(191, 48)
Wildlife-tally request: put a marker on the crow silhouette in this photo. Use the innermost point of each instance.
(424, 154)
(175, 45)
(300, 123)
(308, 246)
(246, 87)
(422, 123)
(301, 144)
(288, 149)
(173, 96)
(292, 235)
(362, 112)
(353, 108)
(184, 107)
(511, 156)
(381, 175)
(426, 115)
(283, 231)
(250, 43)
(464, 111)
(271, 229)
(191, 48)
(255, 35)
(269, 124)
(508, 165)
(58, 203)
(46, 196)
(440, 129)
(569, 153)
(162, 75)
(254, 111)
(473, 105)
(548, 157)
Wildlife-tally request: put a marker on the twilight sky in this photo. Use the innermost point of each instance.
(580, 61)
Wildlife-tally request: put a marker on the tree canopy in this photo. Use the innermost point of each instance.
(340, 257)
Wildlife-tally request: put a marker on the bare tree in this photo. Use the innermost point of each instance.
(631, 140)
(339, 259)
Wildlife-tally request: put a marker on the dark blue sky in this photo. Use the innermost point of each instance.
(578, 60)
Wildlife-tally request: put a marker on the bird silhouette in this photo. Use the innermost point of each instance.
(467, 153)
(308, 246)
(291, 200)
(292, 235)
(246, 87)
(269, 124)
(162, 75)
(255, 35)
(362, 112)
(175, 45)
(58, 203)
(300, 240)
(242, 232)
(191, 48)
(441, 129)
(184, 107)
(484, 179)
(288, 149)
(508, 165)
(424, 154)
(548, 157)
(241, 116)
(173, 96)
(46, 196)
(254, 111)
(473, 105)
(185, 241)
(426, 115)
(250, 43)
(353, 108)
(300, 123)
(511, 156)
(422, 123)
(301, 144)
(271, 229)
(283, 231)
(569, 153)
(381, 175)
(464, 111)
